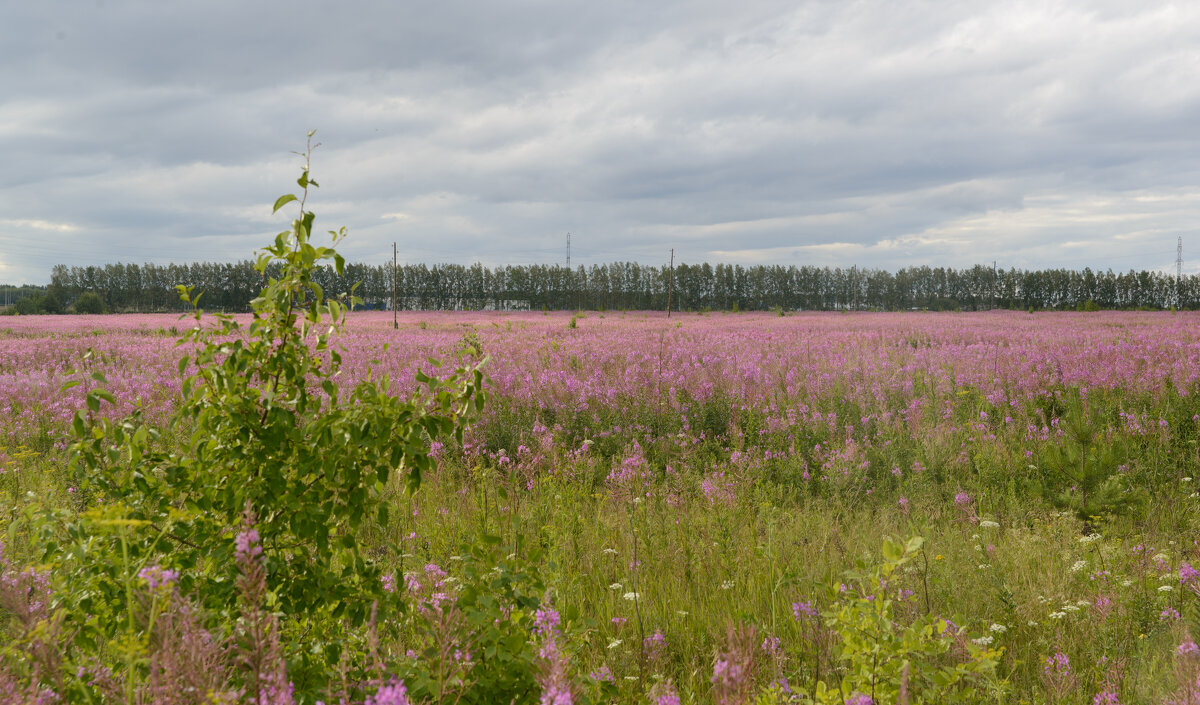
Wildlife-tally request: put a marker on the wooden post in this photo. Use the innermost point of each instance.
(395, 322)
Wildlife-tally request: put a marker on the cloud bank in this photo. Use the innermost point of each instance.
(877, 134)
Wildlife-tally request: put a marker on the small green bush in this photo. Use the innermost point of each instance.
(271, 452)
(90, 302)
(892, 660)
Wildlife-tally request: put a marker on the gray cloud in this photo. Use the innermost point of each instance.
(880, 134)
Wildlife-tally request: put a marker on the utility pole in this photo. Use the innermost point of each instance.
(568, 251)
(994, 279)
(395, 322)
(670, 282)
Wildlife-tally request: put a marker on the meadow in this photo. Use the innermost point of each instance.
(723, 507)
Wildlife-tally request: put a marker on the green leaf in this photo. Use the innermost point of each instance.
(282, 201)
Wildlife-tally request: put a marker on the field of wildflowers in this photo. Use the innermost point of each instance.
(850, 508)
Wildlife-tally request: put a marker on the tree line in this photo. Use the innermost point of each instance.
(629, 285)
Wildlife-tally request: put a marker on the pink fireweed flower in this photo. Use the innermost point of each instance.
(663, 694)
(274, 694)
(655, 645)
(546, 621)
(803, 609)
(1188, 575)
(246, 546)
(393, 693)
(389, 582)
(726, 672)
(156, 577)
(771, 645)
(1187, 648)
(1059, 663)
(556, 695)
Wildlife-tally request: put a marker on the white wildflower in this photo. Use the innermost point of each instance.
(998, 628)
(631, 596)
(989, 524)
(1078, 566)
(614, 644)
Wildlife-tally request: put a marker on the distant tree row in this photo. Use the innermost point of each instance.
(32, 299)
(629, 285)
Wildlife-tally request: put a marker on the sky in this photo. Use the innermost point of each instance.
(882, 134)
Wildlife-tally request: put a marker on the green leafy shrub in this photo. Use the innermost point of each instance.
(473, 645)
(38, 303)
(90, 302)
(262, 430)
(878, 655)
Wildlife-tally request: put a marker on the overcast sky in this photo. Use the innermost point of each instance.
(880, 134)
